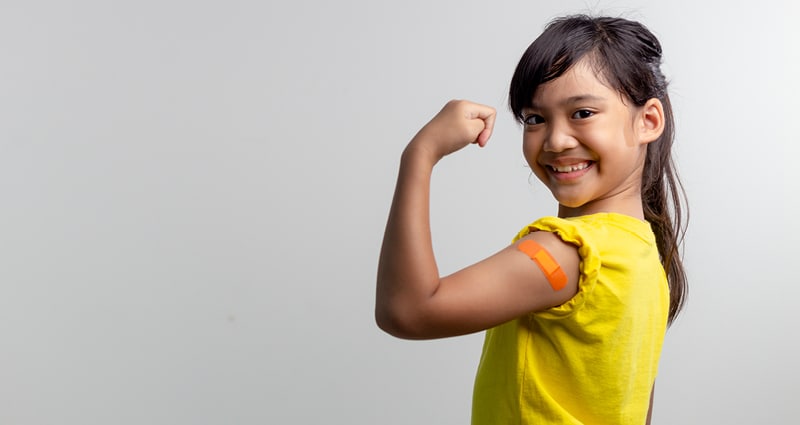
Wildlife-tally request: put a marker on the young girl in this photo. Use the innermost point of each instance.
(577, 306)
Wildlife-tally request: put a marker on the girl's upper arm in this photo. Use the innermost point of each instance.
(507, 285)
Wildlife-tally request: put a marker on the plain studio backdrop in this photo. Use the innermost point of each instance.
(194, 195)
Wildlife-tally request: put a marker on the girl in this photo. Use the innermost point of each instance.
(577, 306)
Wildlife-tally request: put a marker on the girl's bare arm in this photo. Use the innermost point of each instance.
(413, 300)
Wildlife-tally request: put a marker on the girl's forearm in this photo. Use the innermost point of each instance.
(407, 274)
(407, 271)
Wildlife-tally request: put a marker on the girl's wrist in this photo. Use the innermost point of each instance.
(419, 154)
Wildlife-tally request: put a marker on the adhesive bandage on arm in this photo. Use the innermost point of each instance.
(546, 262)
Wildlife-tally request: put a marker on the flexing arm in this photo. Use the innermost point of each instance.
(413, 301)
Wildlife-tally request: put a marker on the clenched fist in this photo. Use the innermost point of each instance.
(457, 125)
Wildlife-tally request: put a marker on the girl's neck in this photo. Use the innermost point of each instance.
(630, 206)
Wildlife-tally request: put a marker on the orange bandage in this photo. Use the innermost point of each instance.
(546, 262)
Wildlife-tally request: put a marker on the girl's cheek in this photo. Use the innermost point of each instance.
(530, 147)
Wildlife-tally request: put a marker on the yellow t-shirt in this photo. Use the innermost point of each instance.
(593, 359)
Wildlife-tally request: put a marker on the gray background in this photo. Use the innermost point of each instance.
(194, 194)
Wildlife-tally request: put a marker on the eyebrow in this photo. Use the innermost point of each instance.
(574, 99)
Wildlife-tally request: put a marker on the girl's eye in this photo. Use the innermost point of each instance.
(533, 119)
(582, 114)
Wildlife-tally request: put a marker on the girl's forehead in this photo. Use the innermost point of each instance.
(579, 81)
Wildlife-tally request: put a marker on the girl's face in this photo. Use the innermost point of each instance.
(584, 143)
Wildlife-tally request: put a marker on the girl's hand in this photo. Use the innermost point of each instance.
(457, 125)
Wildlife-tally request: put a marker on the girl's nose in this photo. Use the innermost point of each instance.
(559, 139)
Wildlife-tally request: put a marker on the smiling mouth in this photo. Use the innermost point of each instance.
(570, 168)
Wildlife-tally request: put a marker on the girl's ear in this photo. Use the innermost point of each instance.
(651, 121)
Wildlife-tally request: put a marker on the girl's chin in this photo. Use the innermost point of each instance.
(569, 200)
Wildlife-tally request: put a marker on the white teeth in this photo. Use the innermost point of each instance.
(570, 168)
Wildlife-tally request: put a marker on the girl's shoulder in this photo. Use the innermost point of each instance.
(581, 230)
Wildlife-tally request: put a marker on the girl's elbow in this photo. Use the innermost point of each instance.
(399, 322)
(388, 323)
